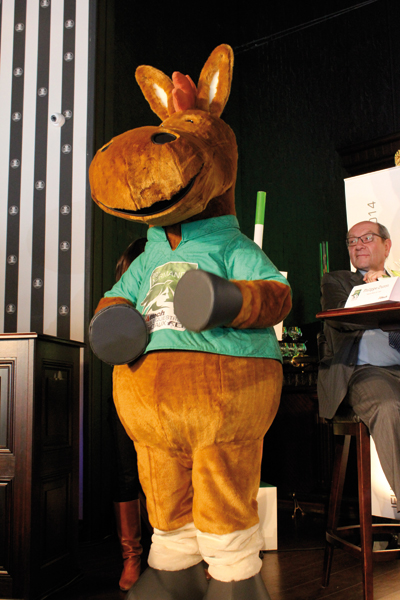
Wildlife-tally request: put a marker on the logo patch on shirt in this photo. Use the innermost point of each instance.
(158, 306)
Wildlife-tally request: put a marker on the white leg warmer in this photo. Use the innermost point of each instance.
(233, 556)
(174, 550)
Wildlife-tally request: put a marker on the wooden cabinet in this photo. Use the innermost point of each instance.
(39, 463)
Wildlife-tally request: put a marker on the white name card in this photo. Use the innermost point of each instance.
(386, 289)
(279, 327)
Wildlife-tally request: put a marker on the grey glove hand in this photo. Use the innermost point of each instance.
(203, 301)
(118, 334)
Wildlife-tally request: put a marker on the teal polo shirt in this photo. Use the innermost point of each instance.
(215, 245)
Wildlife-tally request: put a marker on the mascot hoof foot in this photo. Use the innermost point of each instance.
(170, 585)
(252, 588)
(203, 301)
(118, 334)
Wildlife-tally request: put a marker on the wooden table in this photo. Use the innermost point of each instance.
(384, 315)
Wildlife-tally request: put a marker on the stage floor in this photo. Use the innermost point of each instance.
(293, 572)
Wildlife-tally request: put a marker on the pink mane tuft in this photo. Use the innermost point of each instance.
(184, 92)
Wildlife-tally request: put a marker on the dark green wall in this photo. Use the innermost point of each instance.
(296, 99)
(309, 94)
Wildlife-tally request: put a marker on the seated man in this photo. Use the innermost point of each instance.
(362, 364)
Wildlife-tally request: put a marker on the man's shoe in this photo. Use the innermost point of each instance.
(186, 584)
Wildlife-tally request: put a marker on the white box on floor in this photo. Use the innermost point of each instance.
(268, 514)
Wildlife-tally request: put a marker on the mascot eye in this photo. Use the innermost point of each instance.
(105, 147)
(189, 121)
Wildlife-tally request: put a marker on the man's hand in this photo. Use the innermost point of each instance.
(374, 276)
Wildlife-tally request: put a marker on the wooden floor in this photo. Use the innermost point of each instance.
(291, 573)
(294, 571)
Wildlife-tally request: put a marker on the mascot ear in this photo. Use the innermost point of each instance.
(215, 81)
(157, 89)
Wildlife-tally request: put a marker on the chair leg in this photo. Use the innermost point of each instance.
(364, 498)
(342, 445)
(328, 556)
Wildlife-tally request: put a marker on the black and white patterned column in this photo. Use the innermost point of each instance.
(14, 179)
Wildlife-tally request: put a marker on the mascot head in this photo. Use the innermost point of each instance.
(184, 169)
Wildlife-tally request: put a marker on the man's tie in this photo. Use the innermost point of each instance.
(394, 340)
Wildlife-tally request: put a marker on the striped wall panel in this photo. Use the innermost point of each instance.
(43, 165)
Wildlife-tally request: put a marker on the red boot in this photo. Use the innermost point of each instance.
(128, 528)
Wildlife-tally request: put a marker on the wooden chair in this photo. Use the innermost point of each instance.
(345, 427)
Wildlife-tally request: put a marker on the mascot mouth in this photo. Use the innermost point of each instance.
(158, 207)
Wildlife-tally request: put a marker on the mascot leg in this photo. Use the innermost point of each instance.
(233, 556)
(174, 550)
(176, 570)
(227, 478)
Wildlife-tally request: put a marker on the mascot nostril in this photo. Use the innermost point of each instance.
(200, 399)
(163, 138)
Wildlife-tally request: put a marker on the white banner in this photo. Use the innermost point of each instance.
(376, 197)
(384, 503)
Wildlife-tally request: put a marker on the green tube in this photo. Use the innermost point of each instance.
(321, 264)
(260, 208)
(327, 258)
(324, 258)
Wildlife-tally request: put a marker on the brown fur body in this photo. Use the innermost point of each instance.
(198, 422)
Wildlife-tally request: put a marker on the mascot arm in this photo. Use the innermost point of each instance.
(111, 301)
(265, 303)
(125, 290)
(204, 300)
(117, 333)
(253, 296)
(267, 297)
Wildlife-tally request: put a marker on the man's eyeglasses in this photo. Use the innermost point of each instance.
(365, 239)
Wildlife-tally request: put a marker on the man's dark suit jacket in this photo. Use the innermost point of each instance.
(340, 359)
